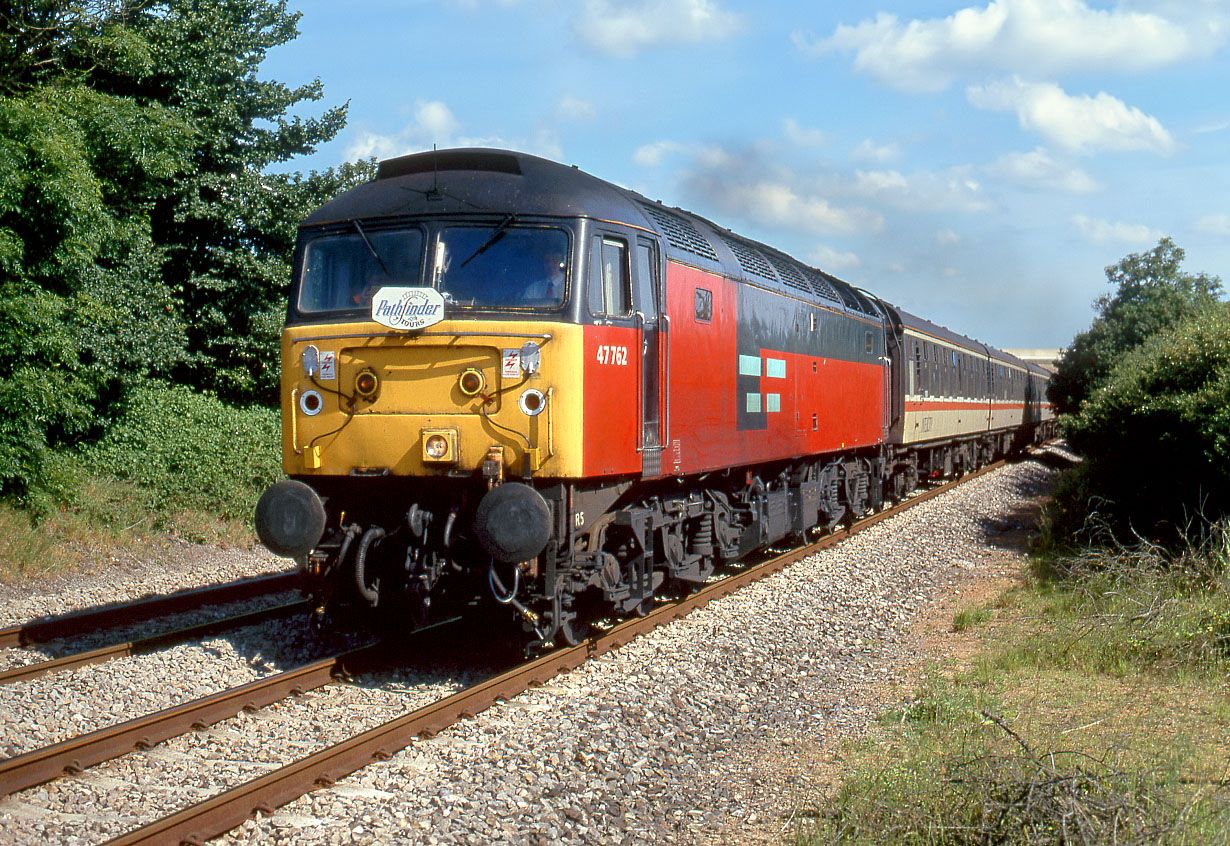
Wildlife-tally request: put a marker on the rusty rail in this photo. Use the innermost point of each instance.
(221, 813)
(118, 614)
(75, 754)
(146, 645)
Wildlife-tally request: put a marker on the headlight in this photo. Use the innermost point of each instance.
(366, 384)
(471, 382)
(440, 446)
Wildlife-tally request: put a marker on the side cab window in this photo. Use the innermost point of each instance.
(645, 294)
(610, 283)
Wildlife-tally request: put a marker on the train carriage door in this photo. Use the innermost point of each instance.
(647, 303)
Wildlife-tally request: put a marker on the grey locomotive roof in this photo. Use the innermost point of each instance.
(487, 181)
(484, 181)
(479, 181)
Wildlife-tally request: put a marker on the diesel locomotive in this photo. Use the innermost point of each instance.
(507, 382)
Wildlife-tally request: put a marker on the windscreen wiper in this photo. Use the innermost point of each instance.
(495, 236)
(379, 260)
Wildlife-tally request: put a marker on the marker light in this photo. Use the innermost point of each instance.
(436, 447)
(471, 382)
(366, 384)
(311, 403)
(532, 402)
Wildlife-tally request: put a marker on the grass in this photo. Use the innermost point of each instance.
(109, 520)
(173, 465)
(1095, 712)
(967, 618)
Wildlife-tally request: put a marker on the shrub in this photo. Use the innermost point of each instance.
(1156, 434)
(190, 450)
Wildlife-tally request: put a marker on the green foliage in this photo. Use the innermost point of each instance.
(227, 225)
(1152, 294)
(82, 311)
(140, 234)
(190, 451)
(1156, 434)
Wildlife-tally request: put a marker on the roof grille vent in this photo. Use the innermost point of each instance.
(680, 232)
(750, 259)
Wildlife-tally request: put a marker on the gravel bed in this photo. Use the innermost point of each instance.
(123, 580)
(694, 733)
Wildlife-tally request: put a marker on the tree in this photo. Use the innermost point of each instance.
(1152, 294)
(1156, 434)
(141, 235)
(82, 308)
(227, 225)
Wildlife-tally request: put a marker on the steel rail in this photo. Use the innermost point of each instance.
(153, 643)
(219, 814)
(118, 614)
(75, 754)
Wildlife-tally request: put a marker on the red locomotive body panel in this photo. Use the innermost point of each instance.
(845, 398)
(612, 374)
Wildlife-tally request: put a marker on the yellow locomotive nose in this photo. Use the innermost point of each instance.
(440, 446)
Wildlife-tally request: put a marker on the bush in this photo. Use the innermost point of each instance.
(190, 450)
(1156, 434)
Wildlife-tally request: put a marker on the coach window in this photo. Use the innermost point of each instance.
(610, 291)
(918, 367)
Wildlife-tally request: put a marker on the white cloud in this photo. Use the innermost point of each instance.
(869, 151)
(435, 124)
(1079, 123)
(1107, 232)
(954, 189)
(781, 204)
(750, 186)
(1039, 170)
(801, 136)
(652, 155)
(947, 237)
(623, 28)
(832, 261)
(1214, 224)
(1041, 37)
(573, 108)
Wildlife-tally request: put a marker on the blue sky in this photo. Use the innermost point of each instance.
(978, 163)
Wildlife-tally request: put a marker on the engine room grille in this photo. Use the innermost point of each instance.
(750, 259)
(823, 287)
(791, 275)
(681, 234)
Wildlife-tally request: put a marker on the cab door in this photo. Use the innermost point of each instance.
(649, 309)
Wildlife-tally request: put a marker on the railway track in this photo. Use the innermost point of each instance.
(153, 643)
(72, 625)
(220, 813)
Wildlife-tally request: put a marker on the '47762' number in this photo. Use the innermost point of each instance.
(617, 356)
